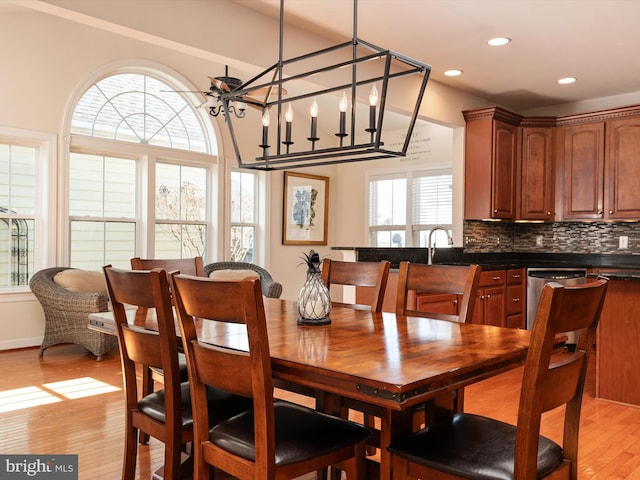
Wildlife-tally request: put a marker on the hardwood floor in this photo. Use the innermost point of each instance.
(66, 402)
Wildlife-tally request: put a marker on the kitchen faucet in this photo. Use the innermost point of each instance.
(431, 248)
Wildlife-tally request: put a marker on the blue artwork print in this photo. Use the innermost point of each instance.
(304, 207)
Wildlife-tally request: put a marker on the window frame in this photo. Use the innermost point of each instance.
(45, 199)
(411, 230)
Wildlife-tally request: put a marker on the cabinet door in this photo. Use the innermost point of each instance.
(584, 171)
(537, 174)
(437, 303)
(494, 306)
(623, 179)
(505, 156)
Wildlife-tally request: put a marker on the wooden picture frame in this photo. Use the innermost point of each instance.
(305, 209)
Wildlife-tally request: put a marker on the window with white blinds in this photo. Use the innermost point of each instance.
(405, 207)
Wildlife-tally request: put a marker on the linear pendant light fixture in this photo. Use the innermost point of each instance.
(343, 80)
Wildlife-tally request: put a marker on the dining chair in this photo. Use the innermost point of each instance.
(276, 439)
(164, 414)
(461, 280)
(473, 446)
(190, 266)
(372, 276)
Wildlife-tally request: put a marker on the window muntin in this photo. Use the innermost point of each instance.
(180, 205)
(18, 180)
(137, 108)
(405, 207)
(243, 216)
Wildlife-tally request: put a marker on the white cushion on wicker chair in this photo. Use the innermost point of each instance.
(84, 281)
(230, 275)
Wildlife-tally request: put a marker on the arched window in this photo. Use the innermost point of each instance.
(141, 170)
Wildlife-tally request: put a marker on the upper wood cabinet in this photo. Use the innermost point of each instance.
(583, 171)
(491, 158)
(537, 176)
(622, 158)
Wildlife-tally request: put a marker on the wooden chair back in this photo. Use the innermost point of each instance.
(188, 266)
(550, 382)
(373, 275)
(246, 373)
(148, 291)
(457, 279)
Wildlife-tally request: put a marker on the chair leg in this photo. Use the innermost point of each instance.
(130, 452)
(147, 388)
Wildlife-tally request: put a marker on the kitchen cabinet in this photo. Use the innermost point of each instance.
(537, 184)
(600, 170)
(516, 298)
(492, 142)
(622, 185)
(583, 171)
(490, 307)
(618, 344)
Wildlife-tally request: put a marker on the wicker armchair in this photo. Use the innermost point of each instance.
(66, 314)
(270, 288)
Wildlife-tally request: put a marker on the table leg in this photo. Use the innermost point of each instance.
(392, 423)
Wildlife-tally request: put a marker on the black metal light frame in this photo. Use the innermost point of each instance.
(349, 150)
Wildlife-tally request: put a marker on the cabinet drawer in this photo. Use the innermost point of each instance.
(515, 275)
(515, 302)
(491, 278)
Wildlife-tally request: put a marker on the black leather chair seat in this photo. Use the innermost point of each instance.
(301, 434)
(222, 405)
(470, 446)
(182, 365)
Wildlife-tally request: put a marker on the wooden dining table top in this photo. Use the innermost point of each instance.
(393, 362)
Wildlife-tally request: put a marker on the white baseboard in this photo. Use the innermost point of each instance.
(20, 343)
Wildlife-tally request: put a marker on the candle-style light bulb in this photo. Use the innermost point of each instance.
(265, 129)
(373, 96)
(314, 120)
(288, 116)
(342, 106)
(344, 102)
(373, 101)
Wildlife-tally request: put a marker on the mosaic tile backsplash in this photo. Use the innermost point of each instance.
(565, 237)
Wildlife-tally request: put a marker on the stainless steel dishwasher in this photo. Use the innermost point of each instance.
(538, 277)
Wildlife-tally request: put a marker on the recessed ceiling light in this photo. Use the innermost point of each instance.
(453, 73)
(567, 80)
(499, 41)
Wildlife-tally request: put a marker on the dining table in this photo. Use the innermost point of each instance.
(391, 363)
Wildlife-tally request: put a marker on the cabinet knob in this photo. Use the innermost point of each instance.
(548, 214)
(455, 302)
(516, 300)
(488, 296)
(495, 278)
(599, 212)
(610, 212)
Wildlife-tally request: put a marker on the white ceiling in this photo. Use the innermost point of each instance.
(595, 41)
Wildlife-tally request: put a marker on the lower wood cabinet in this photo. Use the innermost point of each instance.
(501, 299)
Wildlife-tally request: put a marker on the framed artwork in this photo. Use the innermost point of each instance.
(305, 212)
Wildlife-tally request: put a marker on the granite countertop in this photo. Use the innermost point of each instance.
(633, 275)
(456, 256)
